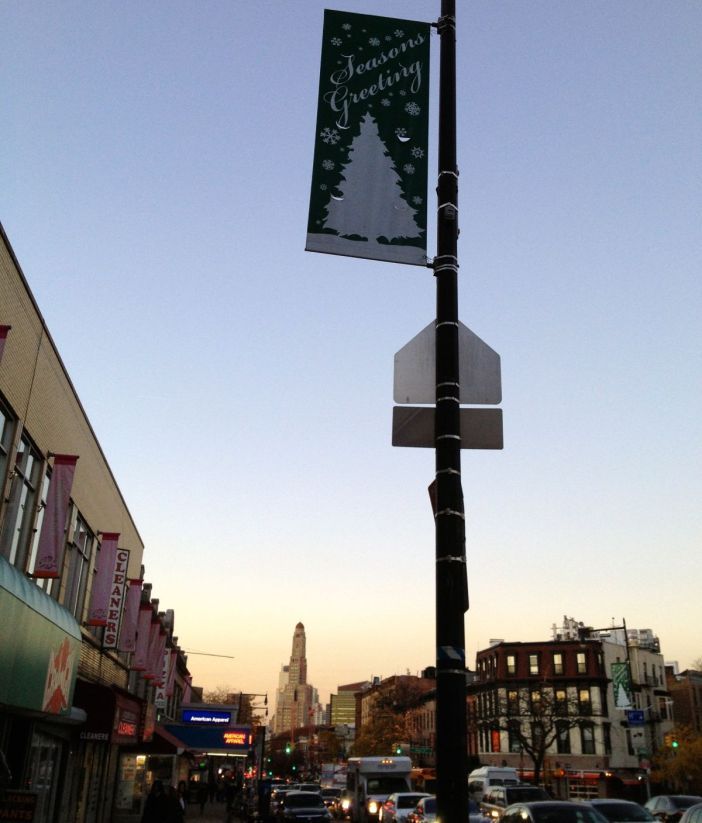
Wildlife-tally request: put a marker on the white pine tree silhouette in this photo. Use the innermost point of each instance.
(372, 205)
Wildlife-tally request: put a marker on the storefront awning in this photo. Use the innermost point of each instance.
(39, 656)
(233, 740)
(169, 738)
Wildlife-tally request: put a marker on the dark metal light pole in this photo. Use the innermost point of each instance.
(451, 580)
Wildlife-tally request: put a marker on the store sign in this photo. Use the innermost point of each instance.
(237, 738)
(125, 729)
(207, 717)
(115, 604)
(17, 805)
(160, 698)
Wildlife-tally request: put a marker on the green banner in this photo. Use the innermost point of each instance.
(369, 179)
(39, 646)
(621, 685)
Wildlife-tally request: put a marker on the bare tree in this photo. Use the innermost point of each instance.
(224, 695)
(390, 717)
(535, 718)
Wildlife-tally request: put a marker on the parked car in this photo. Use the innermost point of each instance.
(693, 814)
(399, 805)
(620, 811)
(425, 812)
(671, 807)
(302, 807)
(497, 798)
(552, 811)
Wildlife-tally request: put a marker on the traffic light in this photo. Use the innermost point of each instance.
(288, 748)
(674, 743)
(398, 749)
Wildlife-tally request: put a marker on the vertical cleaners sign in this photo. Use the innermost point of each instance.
(369, 180)
(116, 600)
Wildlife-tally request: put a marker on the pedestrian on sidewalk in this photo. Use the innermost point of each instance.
(156, 806)
(202, 793)
(176, 810)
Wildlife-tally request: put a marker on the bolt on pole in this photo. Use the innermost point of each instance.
(451, 580)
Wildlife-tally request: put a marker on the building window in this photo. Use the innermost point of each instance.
(494, 740)
(512, 701)
(46, 583)
(535, 698)
(561, 702)
(582, 663)
(584, 702)
(587, 738)
(511, 664)
(80, 548)
(557, 663)
(7, 427)
(562, 738)
(21, 506)
(607, 733)
(533, 664)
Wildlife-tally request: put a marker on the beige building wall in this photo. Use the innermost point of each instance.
(35, 383)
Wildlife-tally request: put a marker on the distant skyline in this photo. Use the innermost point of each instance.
(156, 171)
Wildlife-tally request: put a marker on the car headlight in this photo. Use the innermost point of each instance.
(346, 804)
(373, 807)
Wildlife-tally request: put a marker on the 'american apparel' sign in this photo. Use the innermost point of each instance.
(369, 179)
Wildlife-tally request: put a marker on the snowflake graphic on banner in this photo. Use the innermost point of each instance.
(330, 135)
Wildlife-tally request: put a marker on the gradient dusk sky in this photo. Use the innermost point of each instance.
(155, 171)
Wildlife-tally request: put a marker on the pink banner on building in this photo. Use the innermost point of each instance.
(162, 672)
(160, 678)
(153, 666)
(3, 337)
(53, 528)
(102, 582)
(141, 653)
(170, 680)
(188, 690)
(127, 633)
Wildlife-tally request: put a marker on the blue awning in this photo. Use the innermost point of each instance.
(236, 740)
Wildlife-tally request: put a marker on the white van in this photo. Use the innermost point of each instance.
(479, 780)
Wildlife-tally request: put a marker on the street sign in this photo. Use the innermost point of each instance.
(635, 717)
(414, 426)
(479, 369)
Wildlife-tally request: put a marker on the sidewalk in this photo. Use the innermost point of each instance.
(214, 813)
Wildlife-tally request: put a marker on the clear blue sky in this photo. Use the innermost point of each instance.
(155, 170)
